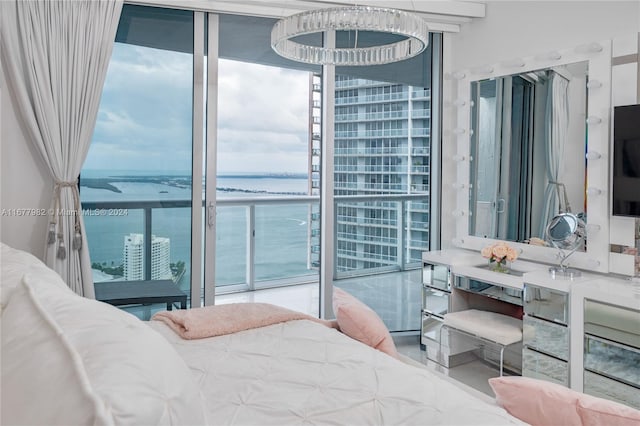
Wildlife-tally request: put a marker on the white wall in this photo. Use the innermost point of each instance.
(524, 28)
(513, 29)
(25, 181)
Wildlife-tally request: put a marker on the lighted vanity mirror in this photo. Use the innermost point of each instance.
(528, 149)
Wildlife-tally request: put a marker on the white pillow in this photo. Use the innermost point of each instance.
(70, 360)
(16, 263)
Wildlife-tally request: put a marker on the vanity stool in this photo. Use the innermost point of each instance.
(491, 327)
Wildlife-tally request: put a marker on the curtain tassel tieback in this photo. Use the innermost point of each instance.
(62, 251)
(76, 244)
(77, 238)
(51, 236)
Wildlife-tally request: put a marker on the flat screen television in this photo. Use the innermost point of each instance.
(626, 160)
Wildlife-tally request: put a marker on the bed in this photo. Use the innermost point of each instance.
(71, 360)
(300, 372)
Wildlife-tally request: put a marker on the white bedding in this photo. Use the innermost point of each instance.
(301, 372)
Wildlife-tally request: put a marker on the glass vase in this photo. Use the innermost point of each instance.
(499, 266)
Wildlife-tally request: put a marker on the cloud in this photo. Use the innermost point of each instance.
(145, 116)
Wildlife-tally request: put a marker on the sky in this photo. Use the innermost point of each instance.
(145, 115)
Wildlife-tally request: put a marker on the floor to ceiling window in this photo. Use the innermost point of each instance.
(265, 195)
(175, 75)
(265, 136)
(136, 181)
(382, 168)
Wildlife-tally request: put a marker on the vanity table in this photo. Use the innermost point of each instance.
(583, 333)
(458, 280)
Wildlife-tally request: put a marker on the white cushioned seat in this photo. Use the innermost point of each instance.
(492, 326)
(68, 360)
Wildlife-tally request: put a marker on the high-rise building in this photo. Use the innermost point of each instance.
(381, 148)
(133, 256)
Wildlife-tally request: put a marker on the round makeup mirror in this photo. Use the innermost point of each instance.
(566, 232)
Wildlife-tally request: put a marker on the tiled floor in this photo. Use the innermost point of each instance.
(474, 374)
(396, 298)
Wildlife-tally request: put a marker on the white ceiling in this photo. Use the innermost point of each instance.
(442, 16)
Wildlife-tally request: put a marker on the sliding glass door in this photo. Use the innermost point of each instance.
(136, 184)
(382, 175)
(210, 146)
(266, 229)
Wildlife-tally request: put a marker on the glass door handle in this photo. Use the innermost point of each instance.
(211, 214)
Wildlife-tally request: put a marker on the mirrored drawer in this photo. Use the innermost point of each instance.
(551, 305)
(614, 360)
(431, 327)
(604, 387)
(435, 301)
(547, 337)
(539, 366)
(437, 276)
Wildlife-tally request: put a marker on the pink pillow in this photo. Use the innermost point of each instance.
(597, 411)
(360, 322)
(537, 402)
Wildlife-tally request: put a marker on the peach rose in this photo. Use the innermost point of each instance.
(486, 252)
(500, 251)
(512, 254)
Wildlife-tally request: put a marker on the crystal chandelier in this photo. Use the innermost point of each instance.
(351, 18)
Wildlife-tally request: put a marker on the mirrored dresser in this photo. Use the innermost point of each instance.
(584, 333)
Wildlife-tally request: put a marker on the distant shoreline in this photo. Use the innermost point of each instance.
(181, 182)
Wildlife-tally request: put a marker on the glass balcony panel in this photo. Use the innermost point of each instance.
(171, 244)
(379, 235)
(105, 235)
(282, 242)
(231, 243)
(139, 174)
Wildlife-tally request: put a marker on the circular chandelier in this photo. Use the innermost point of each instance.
(350, 18)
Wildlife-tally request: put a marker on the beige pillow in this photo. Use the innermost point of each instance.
(70, 360)
(360, 322)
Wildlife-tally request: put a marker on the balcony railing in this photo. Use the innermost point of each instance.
(420, 131)
(389, 227)
(249, 205)
(361, 168)
(421, 113)
(387, 150)
(421, 94)
(420, 151)
(389, 231)
(420, 169)
(374, 116)
(382, 97)
(373, 133)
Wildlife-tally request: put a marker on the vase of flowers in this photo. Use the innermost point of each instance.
(499, 254)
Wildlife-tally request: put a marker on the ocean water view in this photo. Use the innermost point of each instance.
(282, 231)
